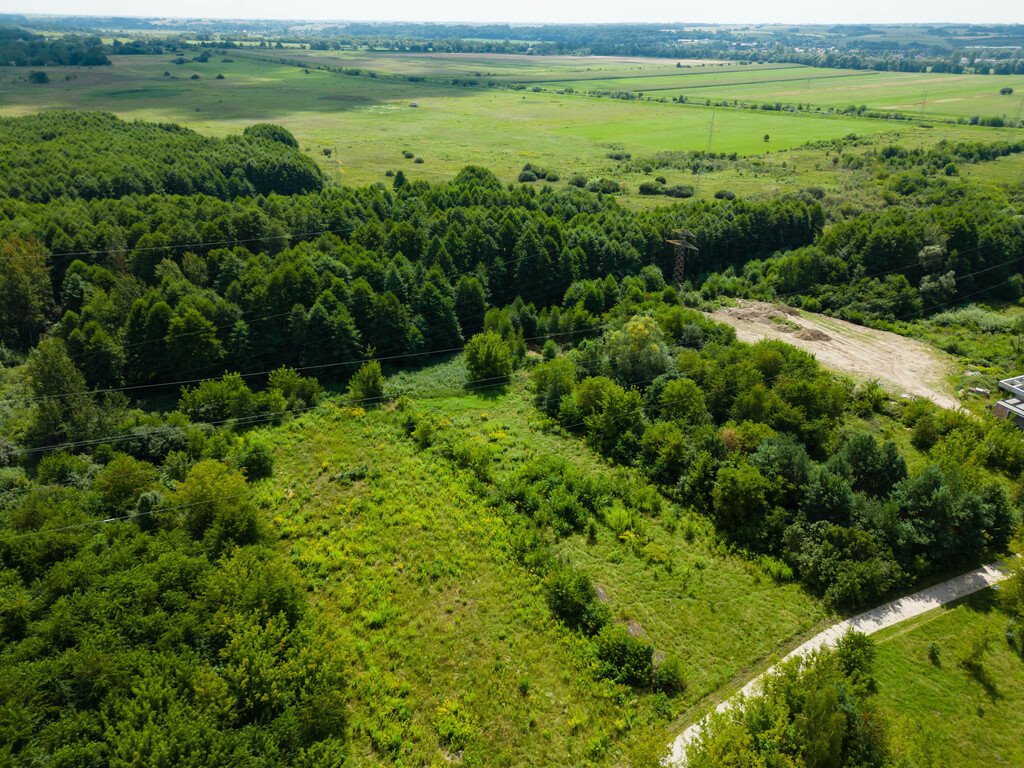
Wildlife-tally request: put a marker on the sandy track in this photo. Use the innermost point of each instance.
(900, 364)
(866, 623)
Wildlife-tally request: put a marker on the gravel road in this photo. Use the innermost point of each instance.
(867, 623)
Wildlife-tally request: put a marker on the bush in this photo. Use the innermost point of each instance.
(488, 359)
(574, 601)
(578, 181)
(367, 385)
(39, 78)
(257, 460)
(527, 176)
(604, 186)
(418, 161)
(227, 398)
(669, 677)
(725, 194)
(925, 434)
(624, 658)
(408, 155)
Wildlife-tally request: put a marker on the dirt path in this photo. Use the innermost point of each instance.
(867, 623)
(902, 365)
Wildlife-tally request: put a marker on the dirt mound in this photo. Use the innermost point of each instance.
(813, 334)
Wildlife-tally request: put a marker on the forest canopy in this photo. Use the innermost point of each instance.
(91, 155)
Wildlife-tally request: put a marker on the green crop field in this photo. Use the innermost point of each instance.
(367, 122)
(416, 564)
(938, 95)
(947, 715)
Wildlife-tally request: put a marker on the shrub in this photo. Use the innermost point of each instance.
(257, 460)
(574, 601)
(925, 434)
(39, 78)
(725, 194)
(604, 186)
(488, 359)
(670, 677)
(418, 160)
(408, 155)
(578, 181)
(527, 176)
(299, 391)
(367, 385)
(624, 658)
(550, 351)
(219, 400)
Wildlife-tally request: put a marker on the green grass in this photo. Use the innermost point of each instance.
(916, 93)
(367, 122)
(407, 557)
(946, 716)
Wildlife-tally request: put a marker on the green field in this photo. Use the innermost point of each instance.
(927, 94)
(368, 122)
(946, 716)
(414, 563)
(501, 67)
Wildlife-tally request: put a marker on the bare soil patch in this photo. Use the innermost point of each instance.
(902, 365)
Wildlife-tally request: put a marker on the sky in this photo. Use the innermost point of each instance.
(525, 11)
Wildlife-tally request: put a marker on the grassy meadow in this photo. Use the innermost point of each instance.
(945, 714)
(410, 553)
(923, 94)
(367, 122)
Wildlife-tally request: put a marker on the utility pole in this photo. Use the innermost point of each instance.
(682, 243)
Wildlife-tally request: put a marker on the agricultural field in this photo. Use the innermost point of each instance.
(947, 712)
(922, 94)
(500, 67)
(366, 123)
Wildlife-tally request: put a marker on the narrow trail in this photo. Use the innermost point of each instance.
(867, 623)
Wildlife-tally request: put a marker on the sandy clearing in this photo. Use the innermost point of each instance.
(902, 365)
(867, 623)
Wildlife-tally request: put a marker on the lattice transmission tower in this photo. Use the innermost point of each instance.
(682, 243)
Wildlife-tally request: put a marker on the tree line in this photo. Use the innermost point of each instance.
(20, 48)
(147, 287)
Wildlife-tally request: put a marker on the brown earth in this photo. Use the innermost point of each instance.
(902, 365)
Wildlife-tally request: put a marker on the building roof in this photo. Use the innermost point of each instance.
(1014, 386)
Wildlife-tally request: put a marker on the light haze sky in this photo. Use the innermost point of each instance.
(521, 11)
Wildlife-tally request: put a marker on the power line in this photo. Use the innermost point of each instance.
(426, 353)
